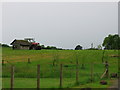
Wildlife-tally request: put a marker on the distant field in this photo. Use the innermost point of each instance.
(45, 58)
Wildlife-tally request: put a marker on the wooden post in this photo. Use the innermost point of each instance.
(61, 76)
(92, 73)
(107, 73)
(12, 77)
(77, 73)
(38, 76)
(28, 60)
(107, 69)
(2, 62)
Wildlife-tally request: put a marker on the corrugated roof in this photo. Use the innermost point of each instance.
(21, 42)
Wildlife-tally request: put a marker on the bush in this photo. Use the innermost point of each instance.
(78, 47)
(5, 45)
(50, 47)
(92, 49)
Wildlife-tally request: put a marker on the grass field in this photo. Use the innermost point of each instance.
(51, 83)
(26, 72)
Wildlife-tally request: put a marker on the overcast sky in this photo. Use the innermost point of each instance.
(61, 24)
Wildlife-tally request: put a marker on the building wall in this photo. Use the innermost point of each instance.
(16, 47)
(21, 47)
(24, 47)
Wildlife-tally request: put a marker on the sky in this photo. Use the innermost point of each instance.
(60, 24)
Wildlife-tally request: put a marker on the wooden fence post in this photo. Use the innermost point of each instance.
(38, 76)
(12, 77)
(107, 72)
(29, 60)
(61, 76)
(92, 73)
(77, 73)
(2, 62)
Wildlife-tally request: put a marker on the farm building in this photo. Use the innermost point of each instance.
(25, 45)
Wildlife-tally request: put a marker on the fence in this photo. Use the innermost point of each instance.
(60, 71)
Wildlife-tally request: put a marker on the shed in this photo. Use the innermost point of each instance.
(21, 44)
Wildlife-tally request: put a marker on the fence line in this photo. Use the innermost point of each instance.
(60, 76)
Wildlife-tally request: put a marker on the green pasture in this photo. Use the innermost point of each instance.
(26, 72)
(50, 83)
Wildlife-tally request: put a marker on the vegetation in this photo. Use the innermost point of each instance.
(4, 45)
(112, 42)
(50, 61)
(50, 47)
(78, 47)
(88, 63)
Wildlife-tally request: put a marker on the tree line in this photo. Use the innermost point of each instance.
(111, 42)
(50, 47)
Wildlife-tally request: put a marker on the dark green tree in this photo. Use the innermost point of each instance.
(78, 47)
(5, 45)
(112, 42)
(42, 47)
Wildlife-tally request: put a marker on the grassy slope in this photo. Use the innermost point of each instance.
(45, 58)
